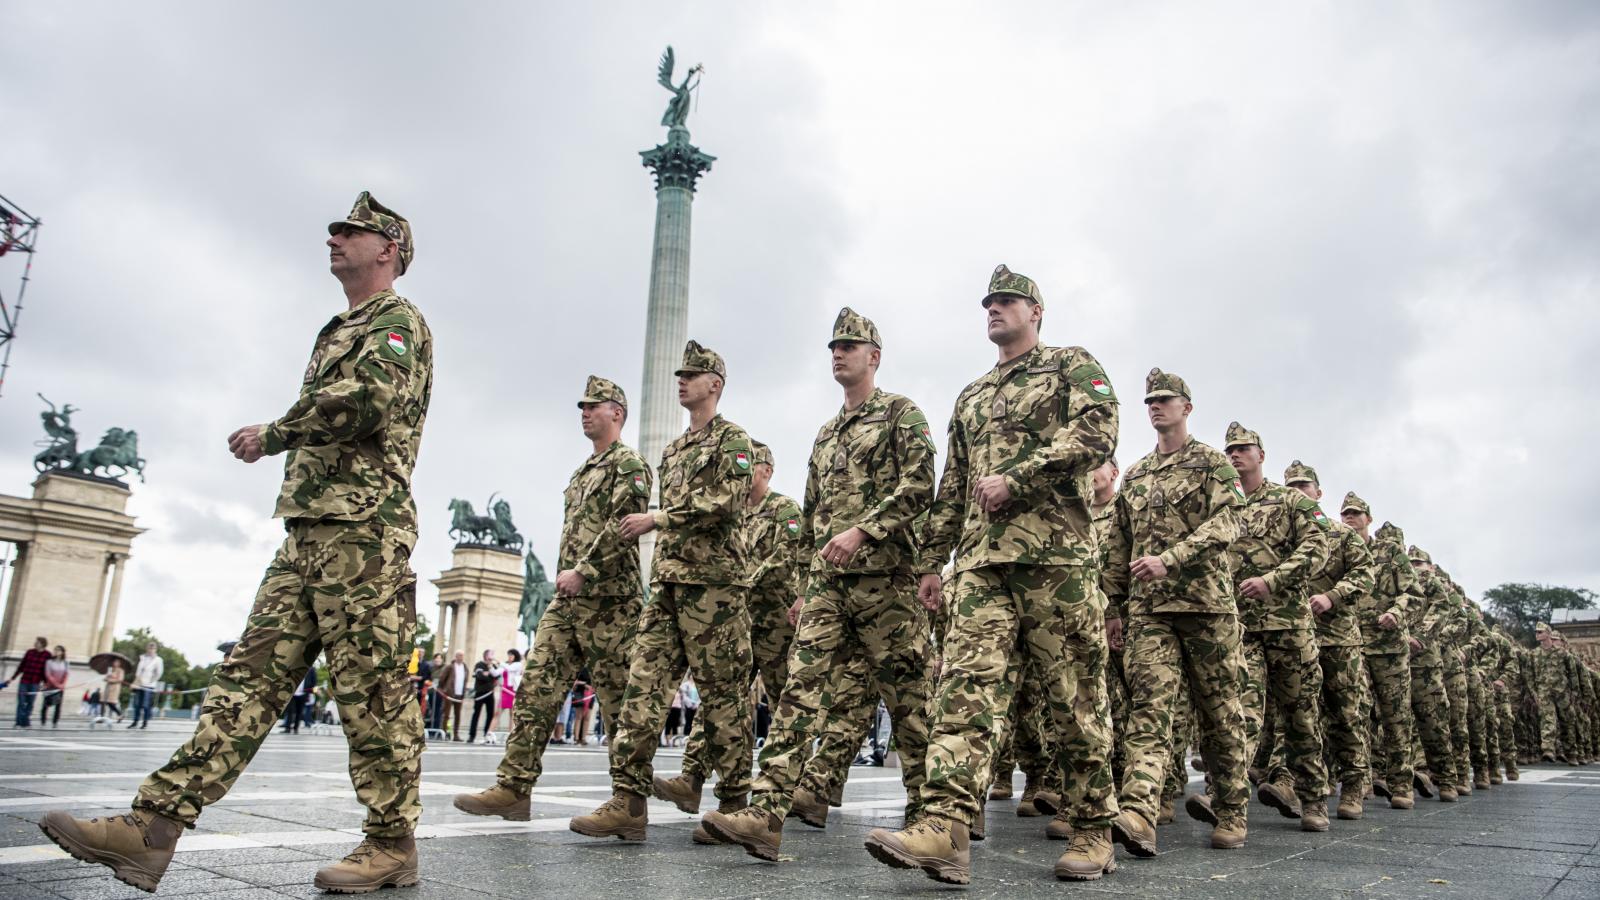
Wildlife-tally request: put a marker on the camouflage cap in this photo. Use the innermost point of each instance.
(1418, 554)
(1299, 471)
(1391, 531)
(1160, 384)
(701, 359)
(370, 215)
(1541, 627)
(1239, 436)
(760, 454)
(1351, 501)
(599, 390)
(1005, 281)
(854, 327)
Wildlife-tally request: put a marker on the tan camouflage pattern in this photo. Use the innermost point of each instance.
(1282, 670)
(370, 215)
(1389, 682)
(705, 477)
(854, 327)
(341, 589)
(1158, 384)
(1395, 589)
(1299, 473)
(601, 390)
(353, 434)
(1355, 503)
(1240, 436)
(1005, 281)
(701, 359)
(609, 485)
(1347, 575)
(1283, 540)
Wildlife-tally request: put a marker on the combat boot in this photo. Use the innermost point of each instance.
(1000, 790)
(136, 847)
(836, 795)
(1548, 757)
(1447, 794)
(1255, 775)
(1165, 815)
(1280, 796)
(1480, 780)
(1512, 774)
(976, 831)
(1401, 801)
(759, 832)
(1135, 833)
(1494, 776)
(1424, 784)
(703, 835)
(1198, 806)
(936, 845)
(1380, 788)
(378, 863)
(1351, 793)
(1088, 857)
(496, 801)
(1314, 816)
(809, 808)
(1229, 834)
(623, 816)
(681, 791)
(1059, 828)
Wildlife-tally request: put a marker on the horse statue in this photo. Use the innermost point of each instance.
(61, 439)
(119, 449)
(505, 533)
(467, 527)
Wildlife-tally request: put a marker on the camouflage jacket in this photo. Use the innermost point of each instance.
(609, 485)
(1453, 627)
(1428, 622)
(1044, 421)
(1348, 575)
(704, 479)
(1102, 519)
(871, 467)
(772, 541)
(353, 434)
(1550, 673)
(1182, 507)
(1394, 590)
(1283, 539)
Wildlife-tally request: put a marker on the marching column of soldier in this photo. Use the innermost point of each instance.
(1018, 607)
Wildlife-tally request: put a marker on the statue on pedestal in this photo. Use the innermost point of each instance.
(119, 448)
(678, 107)
(494, 530)
(537, 592)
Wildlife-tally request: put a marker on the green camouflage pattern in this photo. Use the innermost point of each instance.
(1389, 683)
(1044, 421)
(370, 215)
(705, 477)
(1005, 281)
(1240, 436)
(601, 390)
(1282, 670)
(1348, 575)
(851, 326)
(352, 436)
(1159, 384)
(345, 590)
(1283, 540)
(609, 485)
(701, 359)
(1394, 590)
(1300, 473)
(1353, 503)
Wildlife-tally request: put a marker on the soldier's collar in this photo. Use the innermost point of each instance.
(873, 400)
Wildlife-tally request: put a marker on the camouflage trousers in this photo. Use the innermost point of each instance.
(1455, 684)
(1549, 719)
(1203, 651)
(1389, 701)
(1005, 618)
(770, 638)
(1343, 722)
(1430, 711)
(705, 629)
(1117, 691)
(1183, 737)
(873, 618)
(341, 587)
(1282, 669)
(1025, 740)
(593, 633)
(1481, 731)
(1508, 725)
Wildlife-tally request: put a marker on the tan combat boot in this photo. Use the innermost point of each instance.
(623, 816)
(1512, 774)
(680, 790)
(809, 808)
(136, 846)
(1314, 816)
(704, 835)
(1401, 801)
(1280, 796)
(1088, 857)
(1230, 833)
(377, 863)
(1480, 780)
(936, 845)
(1058, 828)
(976, 831)
(1000, 790)
(1198, 806)
(1350, 796)
(836, 795)
(1380, 788)
(496, 801)
(1047, 802)
(759, 832)
(1424, 784)
(1494, 776)
(1166, 815)
(1135, 833)
(1447, 794)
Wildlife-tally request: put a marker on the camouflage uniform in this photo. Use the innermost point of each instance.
(594, 628)
(1456, 683)
(1509, 674)
(1182, 507)
(1283, 539)
(871, 468)
(696, 617)
(1483, 725)
(1025, 574)
(341, 582)
(1386, 652)
(1430, 703)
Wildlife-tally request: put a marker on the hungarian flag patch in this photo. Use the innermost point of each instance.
(792, 526)
(1318, 517)
(741, 459)
(1100, 387)
(397, 343)
(638, 485)
(1238, 488)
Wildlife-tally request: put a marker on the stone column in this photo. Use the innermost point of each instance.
(441, 643)
(484, 586)
(108, 630)
(97, 623)
(473, 650)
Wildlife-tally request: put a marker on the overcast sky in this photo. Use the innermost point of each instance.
(1367, 231)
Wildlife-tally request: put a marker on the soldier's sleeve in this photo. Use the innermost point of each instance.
(1360, 571)
(1435, 614)
(1090, 435)
(1221, 527)
(355, 407)
(808, 509)
(629, 494)
(718, 497)
(1408, 598)
(1116, 556)
(949, 509)
(913, 453)
(1310, 530)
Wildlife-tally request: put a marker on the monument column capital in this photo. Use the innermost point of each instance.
(677, 163)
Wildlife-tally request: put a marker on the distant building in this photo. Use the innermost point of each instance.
(1581, 628)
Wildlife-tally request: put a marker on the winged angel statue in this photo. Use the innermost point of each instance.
(678, 107)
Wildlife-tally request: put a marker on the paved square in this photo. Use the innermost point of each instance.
(294, 812)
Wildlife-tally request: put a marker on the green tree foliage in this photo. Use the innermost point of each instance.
(178, 674)
(1521, 606)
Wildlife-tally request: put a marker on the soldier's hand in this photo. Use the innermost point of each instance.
(636, 525)
(843, 546)
(245, 444)
(1388, 622)
(1255, 588)
(570, 583)
(1148, 568)
(1500, 683)
(991, 492)
(794, 611)
(1320, 604)
(1416, 645)
(1114, 633)
(928, 591)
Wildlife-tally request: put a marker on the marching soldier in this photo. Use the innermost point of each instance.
(1430, 700)
(589, 625)
(341, 583)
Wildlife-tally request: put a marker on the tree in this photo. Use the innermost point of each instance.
(1521, 606)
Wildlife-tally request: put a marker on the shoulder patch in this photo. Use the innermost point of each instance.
(1311, 506)
(394, 344)
(913, 419)
(630, 463)
(1228, 475)
(1092, 379)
